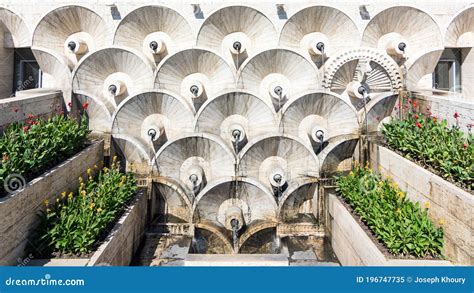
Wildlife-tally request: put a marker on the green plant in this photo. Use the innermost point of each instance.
(403, 226)
(423, 138)
(76, 222)
(31, 147)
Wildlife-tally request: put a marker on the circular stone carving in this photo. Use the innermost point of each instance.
(390, 67)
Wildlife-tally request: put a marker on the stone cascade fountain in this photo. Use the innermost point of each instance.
(237, 127)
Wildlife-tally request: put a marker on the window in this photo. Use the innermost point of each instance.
(447, 74)
(28, 74)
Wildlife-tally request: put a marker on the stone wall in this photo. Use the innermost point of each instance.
(32, 11)
(353, 247)
(125, 238)
(6, 67)
(444, 107)
(446, 201)
(37, 102)
(19, 210)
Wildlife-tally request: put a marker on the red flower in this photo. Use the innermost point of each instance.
(26, 128)
(418, 124)
(465, 145)
(409, 101)
(85, 105)
(416, 116)
(456, 115)
(406, 107)
(31, 116)
(429, 114)
(414, 104)
(69, 104)
(35, 123)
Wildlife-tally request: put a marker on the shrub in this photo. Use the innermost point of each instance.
(432, 143)
(29, 148)
(75, 222)
(402, 226)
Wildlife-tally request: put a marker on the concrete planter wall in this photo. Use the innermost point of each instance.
(19, 210)
(37, 102)
(444, 107)
(125, 237)
(447, 201)
(352, 245)
(121, 244)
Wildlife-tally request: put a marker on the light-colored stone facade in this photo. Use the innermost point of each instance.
(235, 110)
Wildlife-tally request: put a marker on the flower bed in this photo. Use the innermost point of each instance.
(402, 226)
(76, 223)
(29, 148)
(431, 143)
(19, 210)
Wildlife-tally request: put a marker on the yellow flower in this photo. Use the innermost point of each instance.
(63, 194)
(398, 211)
(89, 171)
(57, 200)
(401, 195)
(80, 179)
(441, 222)
(99, 210)
(387, 177)
(83, 193)
(92, 205)
(120, 184)
(351, 173)
(48, 210)
(114, 159)
(46, 202)
(70, 195)
(427, 205)
(105, 169)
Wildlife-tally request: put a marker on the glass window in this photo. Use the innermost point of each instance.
(27, 71)
(447, 74)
